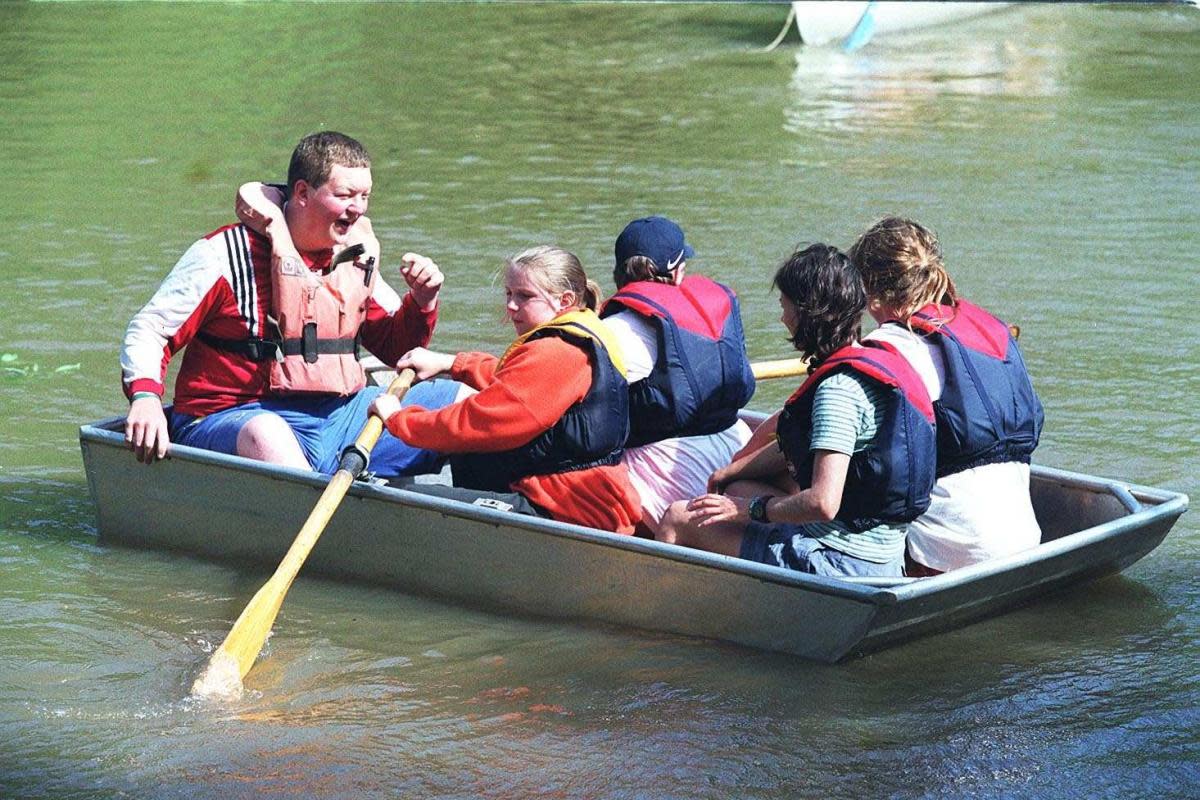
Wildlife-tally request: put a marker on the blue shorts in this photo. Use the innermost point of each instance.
(789, 546)
(324, 426)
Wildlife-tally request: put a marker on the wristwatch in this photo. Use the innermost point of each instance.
(758, 508)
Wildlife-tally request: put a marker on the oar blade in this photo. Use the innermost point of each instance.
(222, 676)
(236, 655)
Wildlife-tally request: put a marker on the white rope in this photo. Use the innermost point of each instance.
(786, 25)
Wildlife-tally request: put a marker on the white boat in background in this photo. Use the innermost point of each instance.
(853, 24)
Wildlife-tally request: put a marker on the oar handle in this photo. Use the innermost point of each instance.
(374, 427)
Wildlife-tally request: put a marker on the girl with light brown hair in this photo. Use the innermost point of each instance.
(545, 432)
(989, 418)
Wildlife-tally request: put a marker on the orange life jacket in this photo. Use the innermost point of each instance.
(317, 317)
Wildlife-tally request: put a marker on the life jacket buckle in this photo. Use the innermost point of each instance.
(367, 267)
(263, 350)
(308, 342)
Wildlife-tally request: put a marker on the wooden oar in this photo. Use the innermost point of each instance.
(796, 367)
(234, 658)
(783, 368)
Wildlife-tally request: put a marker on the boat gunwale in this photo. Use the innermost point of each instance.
(99, 434)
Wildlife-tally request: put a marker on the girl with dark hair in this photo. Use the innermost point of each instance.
(852, 460)
(989, 417)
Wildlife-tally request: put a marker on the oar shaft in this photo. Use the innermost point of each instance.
(798, 367)
(236, 655)
(314, 526)
(370, 434)
(783, 368)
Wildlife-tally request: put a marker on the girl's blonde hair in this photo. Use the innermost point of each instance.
(901, 265)
(555, 270)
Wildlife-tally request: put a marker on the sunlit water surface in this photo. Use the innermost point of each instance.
(1053, 149)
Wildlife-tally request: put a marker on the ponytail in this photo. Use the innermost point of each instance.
(901, 265)
(592, 295)
(640, 268)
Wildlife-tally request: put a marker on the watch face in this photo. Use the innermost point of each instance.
(758, 509)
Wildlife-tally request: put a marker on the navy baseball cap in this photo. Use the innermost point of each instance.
(658, 239)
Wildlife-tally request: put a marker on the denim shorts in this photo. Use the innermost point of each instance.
(789, 546)
(324, 426)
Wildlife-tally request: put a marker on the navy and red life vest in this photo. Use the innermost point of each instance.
(702, 376)
(890, 480)
(988, 412)
(591, 433)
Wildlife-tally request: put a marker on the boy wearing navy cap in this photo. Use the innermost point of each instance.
(686, 362)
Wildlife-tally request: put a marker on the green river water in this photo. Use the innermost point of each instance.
(1056, 150)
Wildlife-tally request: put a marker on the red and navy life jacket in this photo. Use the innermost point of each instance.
(591, 433)
(890, 480)
(988, 412)
(702, 376)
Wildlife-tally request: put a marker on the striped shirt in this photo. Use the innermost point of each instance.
(846, 413)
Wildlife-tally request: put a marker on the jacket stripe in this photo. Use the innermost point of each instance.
(241, 268)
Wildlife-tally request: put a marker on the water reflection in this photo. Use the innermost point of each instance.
(900, 84)
(1052, 147)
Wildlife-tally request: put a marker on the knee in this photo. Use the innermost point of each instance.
(671, 523)
(266, 437)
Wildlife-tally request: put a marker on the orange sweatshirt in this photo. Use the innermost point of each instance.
(538, 382)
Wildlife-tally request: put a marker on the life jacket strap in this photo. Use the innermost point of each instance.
(309, 346)
(254, 348)
(258, 349)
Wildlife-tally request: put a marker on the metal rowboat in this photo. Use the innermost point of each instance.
(245, 512)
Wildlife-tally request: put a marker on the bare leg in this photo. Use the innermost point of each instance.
(677, 527)
(266, 437)
(650, 522)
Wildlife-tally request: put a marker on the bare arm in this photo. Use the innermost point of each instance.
(818, 503)
(763, 464)
(763, 434)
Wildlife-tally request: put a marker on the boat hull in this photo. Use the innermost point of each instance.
(244, 512)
